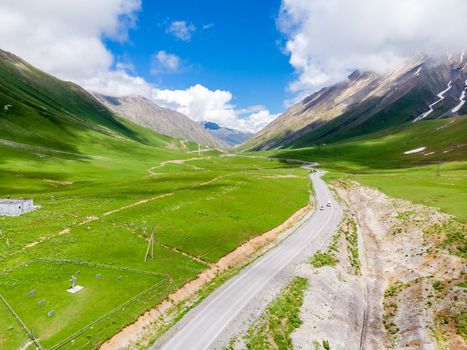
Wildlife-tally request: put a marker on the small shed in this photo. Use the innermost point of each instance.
(15, 206)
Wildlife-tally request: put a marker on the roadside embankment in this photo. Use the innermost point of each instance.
(141, 333)
(393, 277)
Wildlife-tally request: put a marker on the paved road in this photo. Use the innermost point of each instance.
(200, 328)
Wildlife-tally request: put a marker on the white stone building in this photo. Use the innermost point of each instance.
(15, 206)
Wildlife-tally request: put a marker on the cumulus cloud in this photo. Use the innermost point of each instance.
(203, 104)
(252, 109)
(118, 83)
(259, 120)
(181, 30)
(326, 39)
(165, 62)
(64, 38)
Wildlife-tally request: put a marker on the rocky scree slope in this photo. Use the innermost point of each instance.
(394, 279)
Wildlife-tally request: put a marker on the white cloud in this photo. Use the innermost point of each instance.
(259, 120)
(165, 62)
(251, 109)
(64, 38)
(125, 66)
(202, 104)
(118, 83)
(181, 30)
(208, 26)
(326, 39)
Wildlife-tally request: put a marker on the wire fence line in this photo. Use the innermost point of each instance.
(91, 324)
(110, 313)
(165, 279)
(23, 325)
(84, 263)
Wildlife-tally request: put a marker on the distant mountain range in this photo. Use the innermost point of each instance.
(162, 120)
(230, 137)
(424, 88)
(37, 109)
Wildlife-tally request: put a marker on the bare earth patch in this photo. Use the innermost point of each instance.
(58, 183)
(284, 177)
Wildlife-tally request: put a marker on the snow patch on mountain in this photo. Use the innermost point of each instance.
(417, 73)
(415, 150)
(440, 98)
(461, 99)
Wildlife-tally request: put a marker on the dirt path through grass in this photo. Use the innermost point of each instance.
(90, 219)
(172, 161)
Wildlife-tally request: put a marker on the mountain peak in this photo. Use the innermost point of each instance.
(146, 113)
(354, 75)
(210, 125)
(229, 136)
(368, 101)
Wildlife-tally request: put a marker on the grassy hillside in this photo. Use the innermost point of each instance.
(436, 176)
(355, 123)
(39, 109)
(102, 184)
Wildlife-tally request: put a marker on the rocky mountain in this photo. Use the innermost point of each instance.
(162, 120)
(423, 88)
(230, 137)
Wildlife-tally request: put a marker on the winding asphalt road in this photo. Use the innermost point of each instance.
(200, 327)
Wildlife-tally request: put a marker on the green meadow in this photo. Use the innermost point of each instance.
(107, 203)
(436, 176)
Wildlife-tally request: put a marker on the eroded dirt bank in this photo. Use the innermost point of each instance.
(397, 280)
(138, 334)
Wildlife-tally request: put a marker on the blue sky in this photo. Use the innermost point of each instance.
(224, 60)
(239, 48)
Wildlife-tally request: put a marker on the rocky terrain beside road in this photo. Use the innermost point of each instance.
(404, 288)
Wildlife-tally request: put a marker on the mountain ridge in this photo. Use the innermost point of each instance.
(367, 102)
(37, 107)
(146, 113)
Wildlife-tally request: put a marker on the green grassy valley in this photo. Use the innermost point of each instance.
(99, 226)
(435, 176)
(102, 184)
(233, 175)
